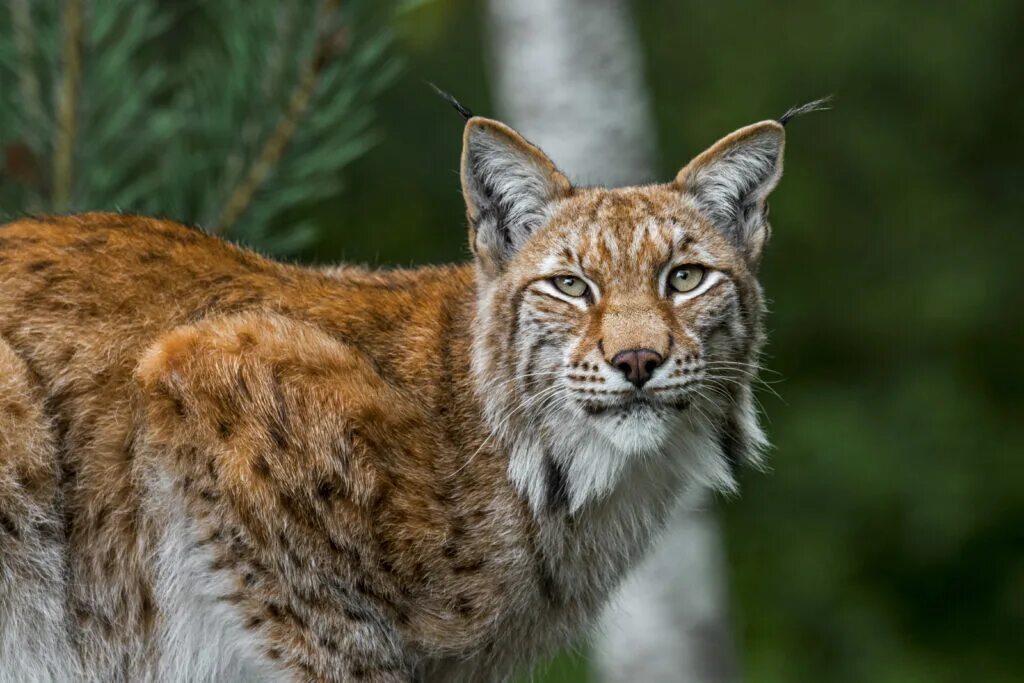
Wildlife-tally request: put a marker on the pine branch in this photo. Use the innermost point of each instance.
(277, 52)
(25, 39)
(273, 147)
(64, 144)
(278, 58)
(265, 103)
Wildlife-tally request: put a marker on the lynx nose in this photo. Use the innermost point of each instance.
(637, 365)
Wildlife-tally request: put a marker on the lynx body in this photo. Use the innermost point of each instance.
(216, 467)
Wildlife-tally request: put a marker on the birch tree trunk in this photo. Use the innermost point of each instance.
(569, 75)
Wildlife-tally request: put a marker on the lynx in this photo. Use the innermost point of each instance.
(217, 467)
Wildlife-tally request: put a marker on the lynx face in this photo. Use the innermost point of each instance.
(625, 301)
(620, 322)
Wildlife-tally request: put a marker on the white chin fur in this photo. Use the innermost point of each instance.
(639, 431)
(597, 454)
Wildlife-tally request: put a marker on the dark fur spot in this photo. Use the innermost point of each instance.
(7, 524)
(37, 266)
(147, 608)
(517, 303)
(547, 586)
(152, 257)
(557, 485)
(277, 436)
(295, 617)
(296, 507)
(469, 567)
(246, 340)
(353, 613)
(379, 498)
(464, 606)
(219, 564)
(325, 490)
(273, 611)
(15, 410)
(101, 517)
(279, 427)
(346, 549)
(260, 466)
(730, 442)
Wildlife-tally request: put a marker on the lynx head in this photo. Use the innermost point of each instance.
(617, 325)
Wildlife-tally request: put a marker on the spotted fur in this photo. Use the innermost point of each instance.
(218, 467)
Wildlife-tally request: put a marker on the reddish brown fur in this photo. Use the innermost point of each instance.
(85, 296)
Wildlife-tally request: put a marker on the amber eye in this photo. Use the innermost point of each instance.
(685, 278)
(569, 285)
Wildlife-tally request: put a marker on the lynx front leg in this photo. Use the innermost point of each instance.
(247, 420)
(34, 639)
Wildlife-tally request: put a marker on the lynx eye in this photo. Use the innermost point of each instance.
(686, 278)
(569, 285)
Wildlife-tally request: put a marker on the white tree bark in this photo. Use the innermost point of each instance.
(670, 620)
(568, 74)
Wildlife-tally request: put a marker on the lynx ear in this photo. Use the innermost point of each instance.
(731, 181)
(508, 185)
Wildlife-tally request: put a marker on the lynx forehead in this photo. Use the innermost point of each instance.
(218, 467)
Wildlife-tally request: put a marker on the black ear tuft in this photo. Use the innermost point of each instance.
(464, 111)
(823, 104)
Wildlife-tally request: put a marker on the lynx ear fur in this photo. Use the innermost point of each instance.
(508, 185)
(731, 181)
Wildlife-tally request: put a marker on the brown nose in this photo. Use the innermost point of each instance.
(637, 364)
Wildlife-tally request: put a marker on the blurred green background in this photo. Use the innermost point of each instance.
(887, 543)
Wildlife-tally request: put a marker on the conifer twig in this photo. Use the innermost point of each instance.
(278, 51)
(24, 40)
(276, 142)
(64, 145)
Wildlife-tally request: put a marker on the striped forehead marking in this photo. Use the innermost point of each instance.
(595, 245)
(647, 237)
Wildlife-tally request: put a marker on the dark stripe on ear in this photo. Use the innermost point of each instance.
(558, 487)
(464, 111)
(823, 104)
